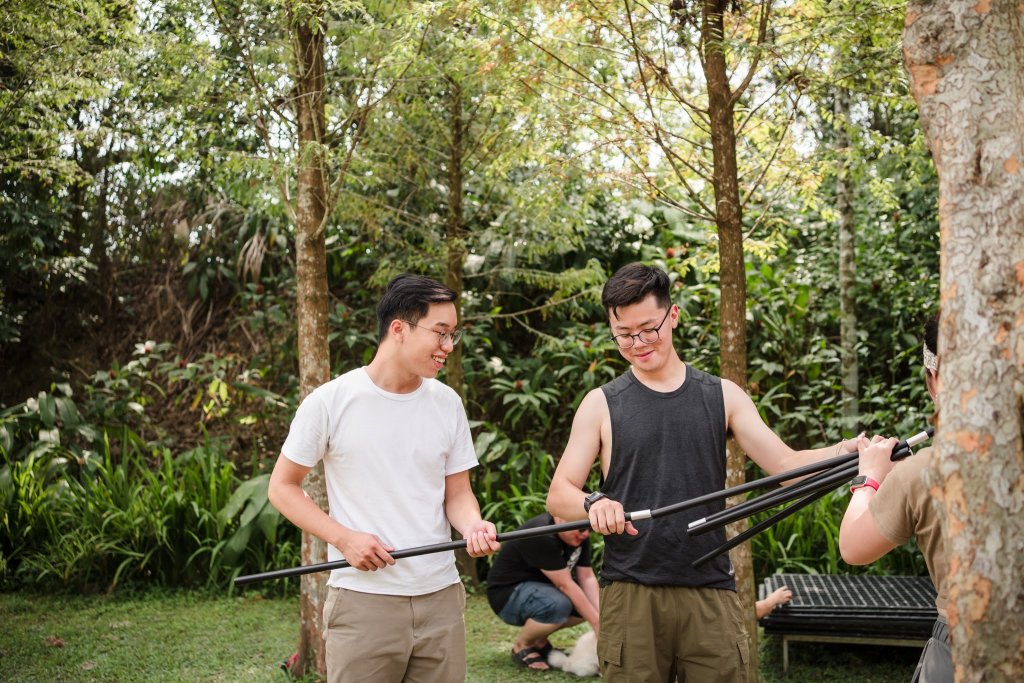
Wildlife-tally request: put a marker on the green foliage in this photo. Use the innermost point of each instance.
(789, 376)
(93, 496)
(157, 143)
(183, 520)
(513, 478)
(530, 401)
(808, 542)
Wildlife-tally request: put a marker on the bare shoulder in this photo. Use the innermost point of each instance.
(593, 409)
(595, 400)
(737, 401)
(731, 389)
(745, 424)
(589, 426)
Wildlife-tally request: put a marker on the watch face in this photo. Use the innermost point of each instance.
(859, 480)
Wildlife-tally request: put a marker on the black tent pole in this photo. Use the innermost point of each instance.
(582, 523)
(795, 490)
(832, 478)
(761, 526)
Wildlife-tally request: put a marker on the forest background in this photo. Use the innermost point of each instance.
(150, 173)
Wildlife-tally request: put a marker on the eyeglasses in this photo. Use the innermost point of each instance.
(453, 337)
(626, 341)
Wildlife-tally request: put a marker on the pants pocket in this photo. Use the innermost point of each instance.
(609, 651)
(331, 609)
(743, 655)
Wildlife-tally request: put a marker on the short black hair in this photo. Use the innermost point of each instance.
(931, 334)
(633, 283)
(408, 297)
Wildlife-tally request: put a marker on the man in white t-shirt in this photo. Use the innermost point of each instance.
(397, 450)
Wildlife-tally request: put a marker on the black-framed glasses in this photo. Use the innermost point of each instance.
(454, 336)
(649, 336)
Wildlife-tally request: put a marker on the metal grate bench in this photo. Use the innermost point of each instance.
(876, 610)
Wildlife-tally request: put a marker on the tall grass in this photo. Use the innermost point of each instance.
(152, 516)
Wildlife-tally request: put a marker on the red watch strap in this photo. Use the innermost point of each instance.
(868, 481)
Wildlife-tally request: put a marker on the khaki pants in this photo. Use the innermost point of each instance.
(385, 638)
(661, 634)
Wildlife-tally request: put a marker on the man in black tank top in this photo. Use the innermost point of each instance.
(660, 431)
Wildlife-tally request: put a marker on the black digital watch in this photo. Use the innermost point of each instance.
(591, 499)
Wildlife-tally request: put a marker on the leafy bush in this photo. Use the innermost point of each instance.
(184, 520)
(93, 494)
(808, 541)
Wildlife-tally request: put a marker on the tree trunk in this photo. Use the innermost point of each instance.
(456, 229)
(966, 66)
(456, 247)
(847, 264)
(311, 301)
(732, 277)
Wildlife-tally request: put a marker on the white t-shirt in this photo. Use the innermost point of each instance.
(386, 457)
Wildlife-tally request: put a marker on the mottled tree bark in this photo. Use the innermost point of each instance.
(966, 66)
(732, 273)
(311, 302)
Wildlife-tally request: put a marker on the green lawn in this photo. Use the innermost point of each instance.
(194, 637)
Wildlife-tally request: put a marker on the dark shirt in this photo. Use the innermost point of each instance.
(521, 561)
(667, 447)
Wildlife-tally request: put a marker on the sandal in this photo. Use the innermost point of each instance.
(547, 648)
(529, 656)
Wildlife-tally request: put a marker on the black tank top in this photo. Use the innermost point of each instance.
(666, 448)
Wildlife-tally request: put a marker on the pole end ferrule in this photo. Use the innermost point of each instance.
(918, 438)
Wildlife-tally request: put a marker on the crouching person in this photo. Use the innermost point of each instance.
(543, 584)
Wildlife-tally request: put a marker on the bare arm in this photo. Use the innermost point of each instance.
(566, 494)
(587, 580)
(860, 541)
(562, 579)
(762, 444)
(565, 497)
(779, 596)
(363, 551)
(463, 512)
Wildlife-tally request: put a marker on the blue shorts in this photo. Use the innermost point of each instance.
(541, 602)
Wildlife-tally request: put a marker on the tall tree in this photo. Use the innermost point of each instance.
(847, 260)
(723, 97)
(100, 134)
(311, 189)
(453, 163)
(678, 75)
(966, 65)
(338, 61)
(862, 142)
